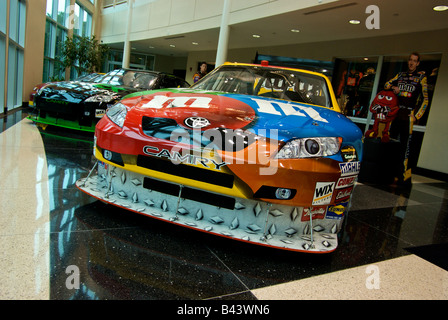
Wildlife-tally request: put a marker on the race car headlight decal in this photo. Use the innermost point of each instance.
(100, 98)
(117, 114)
(310, 147)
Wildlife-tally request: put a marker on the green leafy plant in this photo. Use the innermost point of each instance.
(83, 53)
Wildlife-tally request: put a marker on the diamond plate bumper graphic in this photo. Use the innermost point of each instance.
(249, 220)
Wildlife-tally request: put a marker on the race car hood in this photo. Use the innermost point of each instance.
(76, 92)
(286, 120)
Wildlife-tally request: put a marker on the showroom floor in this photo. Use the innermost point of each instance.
(393, 246)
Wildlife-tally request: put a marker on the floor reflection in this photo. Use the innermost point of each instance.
(122, 255)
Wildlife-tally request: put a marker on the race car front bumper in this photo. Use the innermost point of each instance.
(248, 220)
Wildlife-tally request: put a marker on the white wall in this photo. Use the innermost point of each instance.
(161, 18)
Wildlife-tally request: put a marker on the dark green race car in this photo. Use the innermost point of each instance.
(80, 105)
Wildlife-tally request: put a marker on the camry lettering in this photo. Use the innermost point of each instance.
(177, 157)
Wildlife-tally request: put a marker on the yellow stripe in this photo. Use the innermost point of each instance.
(233, 192)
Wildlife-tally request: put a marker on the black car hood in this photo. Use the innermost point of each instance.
(76, 92)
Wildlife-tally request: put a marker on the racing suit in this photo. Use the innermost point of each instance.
(412, 85)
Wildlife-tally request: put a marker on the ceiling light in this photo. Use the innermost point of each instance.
(354, 21)
(194, 43)
(256, 36)
(440, 8)
(172, 46)
(295, 30)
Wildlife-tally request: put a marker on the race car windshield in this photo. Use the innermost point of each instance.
(268, 82)
(130, 78)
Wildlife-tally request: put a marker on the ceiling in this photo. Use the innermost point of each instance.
(320, 23)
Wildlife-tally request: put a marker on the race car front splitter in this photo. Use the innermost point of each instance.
(299, 229)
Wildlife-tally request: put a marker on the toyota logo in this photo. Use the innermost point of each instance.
(196, 122)
(107, 155)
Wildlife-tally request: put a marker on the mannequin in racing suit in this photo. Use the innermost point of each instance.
(408, 86)
(349, 85)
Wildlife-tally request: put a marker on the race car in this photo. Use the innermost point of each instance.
(80, 104)
(255, 153)
(91, 77)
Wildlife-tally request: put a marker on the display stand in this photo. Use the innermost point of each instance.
(380, 162)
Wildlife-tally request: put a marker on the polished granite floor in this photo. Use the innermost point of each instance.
(60, 244)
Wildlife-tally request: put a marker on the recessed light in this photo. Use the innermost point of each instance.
(194, 43)
(440, 8)
(256, 36)
(172, 46)
(354, 21)
(295, 30)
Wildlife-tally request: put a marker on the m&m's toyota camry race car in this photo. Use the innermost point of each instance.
(255, 153)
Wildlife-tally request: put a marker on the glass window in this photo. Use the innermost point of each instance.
(86, 24)
(19, 77)
(63, 11)
(50, 8)
(48, 47)
(61, 17)
(353, 80)
(3, 16)
(263, 81)
(2, 71)
(77, 24)
(61, 35)
(46, 70)
(22, 23)
(12, 76)
(13, 21)
(429, 66)
(14, 63)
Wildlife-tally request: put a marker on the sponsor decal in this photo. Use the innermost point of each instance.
(262, 105)
(349, 154)
(99, 113)
(317, 212)
(346, 182)
(323, 193)
(349, 168)
(103, 164)
(57, 101)
(287, 109)
(343, 194)
(185, 158)
(196, 122)
(336, 212)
